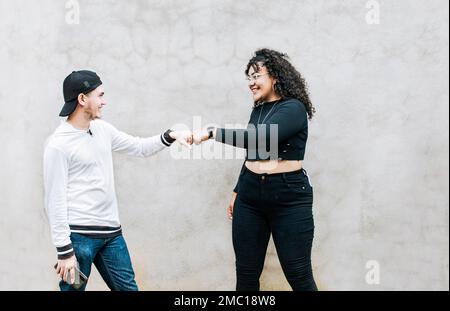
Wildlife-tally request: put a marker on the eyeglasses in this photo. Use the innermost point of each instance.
(255, 76)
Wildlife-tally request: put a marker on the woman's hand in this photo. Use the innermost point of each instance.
(203, 134)
(200, 136)
(231, 206)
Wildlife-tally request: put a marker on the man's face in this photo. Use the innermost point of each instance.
(94, 102)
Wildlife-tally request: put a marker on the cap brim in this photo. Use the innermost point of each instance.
(68, 108)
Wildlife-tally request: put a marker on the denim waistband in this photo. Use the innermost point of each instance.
(246, 173)
(275, 175)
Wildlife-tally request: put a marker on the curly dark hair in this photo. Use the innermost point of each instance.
(290, 83)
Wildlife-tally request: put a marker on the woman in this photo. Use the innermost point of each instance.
(273, 194)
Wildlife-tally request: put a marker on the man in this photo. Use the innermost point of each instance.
(80, 197)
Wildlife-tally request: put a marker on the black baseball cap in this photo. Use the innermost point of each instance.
(83, 81)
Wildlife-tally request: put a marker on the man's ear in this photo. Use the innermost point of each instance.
(82, 99)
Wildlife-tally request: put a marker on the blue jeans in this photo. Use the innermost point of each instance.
(111, 258)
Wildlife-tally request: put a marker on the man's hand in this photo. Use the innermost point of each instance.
(200, 136)
(231, 206)
(66, 269)
(183, 137)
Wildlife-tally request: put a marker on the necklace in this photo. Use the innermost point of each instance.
(267, 115)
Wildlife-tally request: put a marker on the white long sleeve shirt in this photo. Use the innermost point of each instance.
(80, 195)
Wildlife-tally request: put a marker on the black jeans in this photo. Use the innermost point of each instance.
(280, 204)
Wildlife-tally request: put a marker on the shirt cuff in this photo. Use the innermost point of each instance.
(65, 252)
(166, 139)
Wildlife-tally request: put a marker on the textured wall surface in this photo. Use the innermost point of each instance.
(377, 154)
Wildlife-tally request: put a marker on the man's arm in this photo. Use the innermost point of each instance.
(55, 184)
(145, 147)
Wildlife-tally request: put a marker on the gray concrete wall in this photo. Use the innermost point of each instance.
(377, 154)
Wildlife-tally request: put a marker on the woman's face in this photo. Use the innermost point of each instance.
(261, 84)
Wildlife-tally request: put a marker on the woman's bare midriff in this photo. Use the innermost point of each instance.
(273, 166)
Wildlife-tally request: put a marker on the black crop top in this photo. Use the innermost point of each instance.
(292, 120)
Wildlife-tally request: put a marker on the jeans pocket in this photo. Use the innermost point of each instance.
(298, 183)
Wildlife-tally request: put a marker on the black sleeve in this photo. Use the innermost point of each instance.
(291, 117)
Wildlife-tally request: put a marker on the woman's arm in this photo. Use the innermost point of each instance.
(288, 119)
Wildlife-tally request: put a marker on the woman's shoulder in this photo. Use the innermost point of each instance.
(293, 103)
